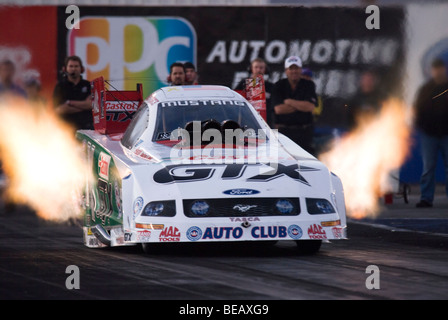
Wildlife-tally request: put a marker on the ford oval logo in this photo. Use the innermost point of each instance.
(241, 192)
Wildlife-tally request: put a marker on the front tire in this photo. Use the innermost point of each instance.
(308, 247)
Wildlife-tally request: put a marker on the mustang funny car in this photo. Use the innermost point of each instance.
(200, 164)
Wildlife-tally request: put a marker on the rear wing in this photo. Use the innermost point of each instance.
(255, 92)
(113, 110)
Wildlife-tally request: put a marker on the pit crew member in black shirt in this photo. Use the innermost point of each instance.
(71, 96)
(294, 100)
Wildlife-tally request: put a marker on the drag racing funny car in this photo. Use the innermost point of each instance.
(200, 164)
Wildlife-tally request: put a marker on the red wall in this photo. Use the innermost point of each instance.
(28, 38)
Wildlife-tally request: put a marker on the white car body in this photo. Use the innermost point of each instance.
(246, 196)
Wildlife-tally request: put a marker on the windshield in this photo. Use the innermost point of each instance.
(219, 114)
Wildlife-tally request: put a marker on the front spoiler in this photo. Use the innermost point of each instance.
(205, 231)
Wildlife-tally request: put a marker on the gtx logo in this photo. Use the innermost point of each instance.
(189, 173)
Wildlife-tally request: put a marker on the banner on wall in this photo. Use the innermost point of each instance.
(137, 44)
(131, 49)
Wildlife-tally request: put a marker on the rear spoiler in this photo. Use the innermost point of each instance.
(113, 110)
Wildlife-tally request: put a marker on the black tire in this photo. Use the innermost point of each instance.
(308, 247)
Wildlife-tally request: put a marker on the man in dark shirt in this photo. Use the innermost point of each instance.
(71, 96)
(294, 100)
(259, 67)
(431, 118)
(368, 99)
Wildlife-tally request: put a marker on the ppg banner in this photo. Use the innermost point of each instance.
(126, 50)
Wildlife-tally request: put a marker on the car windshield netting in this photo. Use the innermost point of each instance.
(173, 115)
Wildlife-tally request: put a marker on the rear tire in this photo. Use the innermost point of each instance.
(308, 247)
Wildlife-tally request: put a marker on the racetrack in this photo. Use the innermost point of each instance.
(34, 255)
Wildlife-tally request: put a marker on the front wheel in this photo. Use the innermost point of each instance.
(308, 247)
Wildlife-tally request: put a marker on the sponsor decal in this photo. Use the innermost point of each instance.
(244, 219)
(139, 152)
(269, 232)
(292, 171)
(121, 105)
(244, 207)
(295, 232)
(143, 236)
(103, 165)
(183, 103)
(338, 232)
(170, 234)
(152, 99)
(315, 231)
(223, 233)
(194, 233)
(241, 192)
(119, 116)
(163, 135)
(188, 173)
(127, 236)
(138, 206)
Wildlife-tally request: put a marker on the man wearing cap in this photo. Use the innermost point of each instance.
(294, 100)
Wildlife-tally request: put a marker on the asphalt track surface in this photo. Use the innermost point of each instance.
(34, 255)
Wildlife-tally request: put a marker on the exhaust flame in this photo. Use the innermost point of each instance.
(365, 157)
(42, 160)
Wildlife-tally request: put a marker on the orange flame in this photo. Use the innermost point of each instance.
(42, 160)
(365, 158)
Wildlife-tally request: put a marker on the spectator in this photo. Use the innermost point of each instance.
(259, 67)
(191, 75)
(71, 96)
(32, 88)
(177, 74)
(367, 100)
(294, 100)
(7, 85)
(431, 119)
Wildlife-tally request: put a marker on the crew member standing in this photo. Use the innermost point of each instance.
(191, 75)
(294, 100)
(431, 119)
(259, 67)
(177, 74)
(71, 96)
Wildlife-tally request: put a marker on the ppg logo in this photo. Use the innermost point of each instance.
(128, 50)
